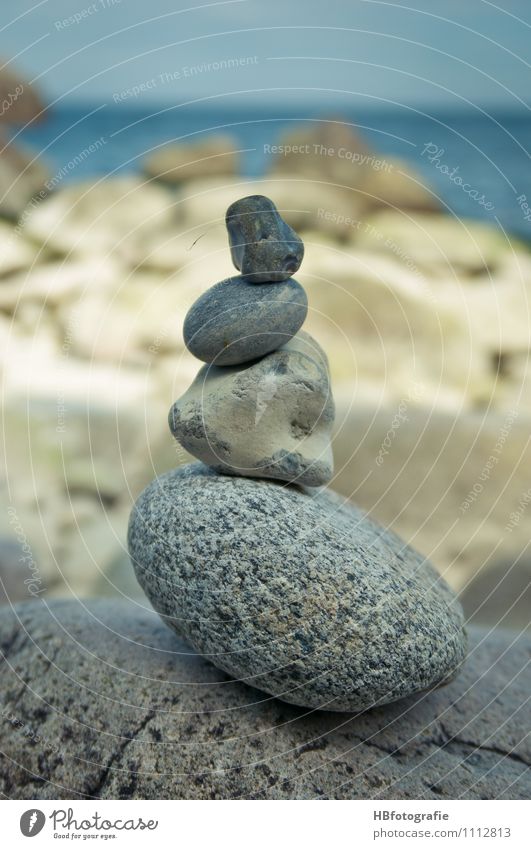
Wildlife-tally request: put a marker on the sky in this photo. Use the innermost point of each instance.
(374, 53)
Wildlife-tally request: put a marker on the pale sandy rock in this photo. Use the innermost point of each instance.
(12, 573)
(90, 545)
(136, 318)
(512, 387)
(54, 283)
(175, 248)
(499, 312)
(271, 418)
(398, 185)
(499, 594)
(380, 321)
(436, 242)
(448, 482)
(22, 180)
(89, 449)
(495, 304)
(30, 320)
(302, 203)
(21, 100)
(78, 428)
(66, 546)
(105, 216)
(334, 153)
(35, 351)
(214, 156)
(16, 252)
(326, 151)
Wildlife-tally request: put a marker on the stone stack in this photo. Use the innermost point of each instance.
(262, 406)
(284, 587)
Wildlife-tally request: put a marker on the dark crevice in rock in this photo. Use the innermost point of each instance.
(455, 739)
(479, 747)
(7, 645)
(118, 754)
(13, 702)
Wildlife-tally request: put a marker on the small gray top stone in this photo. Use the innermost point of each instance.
(263, 247)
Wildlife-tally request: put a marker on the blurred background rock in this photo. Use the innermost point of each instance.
(419, 295)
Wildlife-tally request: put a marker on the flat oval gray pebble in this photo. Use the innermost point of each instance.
(235, 322)
(297, 594)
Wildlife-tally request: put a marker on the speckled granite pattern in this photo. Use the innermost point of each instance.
(270, 419)
(263, 246)
(292, 591)
(101, 700)
(236, 321)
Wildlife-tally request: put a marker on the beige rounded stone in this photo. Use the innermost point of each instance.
(449, 481)
(176, 163)
(397, 185)
(271, 418)
(23, 179)
(305, 204)
(105, 216)
(16, 252)
(436, 243)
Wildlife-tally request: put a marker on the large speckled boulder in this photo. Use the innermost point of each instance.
(101, 700)
(271, 418)
(293, 591)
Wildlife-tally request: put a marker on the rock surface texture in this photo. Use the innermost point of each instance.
(101, 701)
(269, 419)
(263, 247)
(294, 592)
(283, 587)
(236, 321)
(266, 408)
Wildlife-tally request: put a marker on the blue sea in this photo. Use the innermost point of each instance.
(479, 155)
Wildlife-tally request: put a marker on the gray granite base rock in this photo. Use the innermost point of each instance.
(293, 591)
(101, 700)
(269, 419)
(235, 321)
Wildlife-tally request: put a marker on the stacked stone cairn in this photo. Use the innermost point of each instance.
(281, 585)
(262, 406)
